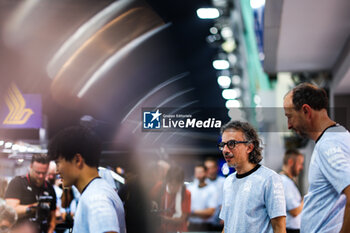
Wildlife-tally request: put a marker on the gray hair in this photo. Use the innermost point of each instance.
(250, 135)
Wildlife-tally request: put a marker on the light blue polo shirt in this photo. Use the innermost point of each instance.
(293, 200)
(329, 174)
(250, 202)
(99, 210)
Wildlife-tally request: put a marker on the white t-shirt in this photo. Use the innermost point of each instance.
(218, 183)
(99, 209)
(202, 198)
(252, 201)
(329, 174)
(293, 200)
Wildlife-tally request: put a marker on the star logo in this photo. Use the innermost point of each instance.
(156, 115)
(152, 120)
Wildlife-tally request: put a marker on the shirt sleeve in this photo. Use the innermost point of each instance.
(292, 194)
(334, 159)
(213, 198)
(223, 208)
(102, 216)
(274, 197)
(14, 189)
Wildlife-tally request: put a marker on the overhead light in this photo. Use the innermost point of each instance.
(233, 104)
(208, 13)
(213, 30)
(213, 38)
(15, 147)
(236, 80)
(236, 114)
(261, 56)
(231, 94)
(256, 4)
(224, 81)
(2, 143)
(221, 64)
(232, 58)
(226, 32)
(229, 45)
(8, 145)
(257, 99)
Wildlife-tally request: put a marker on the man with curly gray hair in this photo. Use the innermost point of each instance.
(253, 196)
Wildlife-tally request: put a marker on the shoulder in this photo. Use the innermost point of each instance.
(287, 182)
(98, 187)
(221, 179)
(228, 180)
(334, 135)
(18, 180)
(268, 175)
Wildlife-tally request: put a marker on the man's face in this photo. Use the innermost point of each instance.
(238, 156)
(212, 169)
(298, 165)
(199, 173)
(296, 119)
(51, 174)
(38, 173)
(68, 171)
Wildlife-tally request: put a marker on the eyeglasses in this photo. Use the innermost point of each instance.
(230, 144)
(39, 173)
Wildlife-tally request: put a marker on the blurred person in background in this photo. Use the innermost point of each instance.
(175, 202)
(217, 181)
(8, 217)
(24, 192)
(77, 152)
(51, 179)
(203, 201)
(292, 166)
(3, 187)
(253, 195)
(327, 203)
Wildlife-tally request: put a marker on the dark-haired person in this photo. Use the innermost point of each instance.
(327, 204)
(23, 193)
(175, 202)
(292, 166)
(77, 151)
(253, 195)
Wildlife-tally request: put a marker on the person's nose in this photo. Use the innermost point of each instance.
(225, 150)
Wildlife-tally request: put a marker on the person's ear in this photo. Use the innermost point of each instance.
(306, 110)
(290, 162)
(78, 160)
(250, 147)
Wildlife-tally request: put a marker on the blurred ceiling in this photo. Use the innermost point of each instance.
(309, 36)
(108, 59)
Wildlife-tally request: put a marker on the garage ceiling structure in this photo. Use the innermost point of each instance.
(108, 59)
(311, 36)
